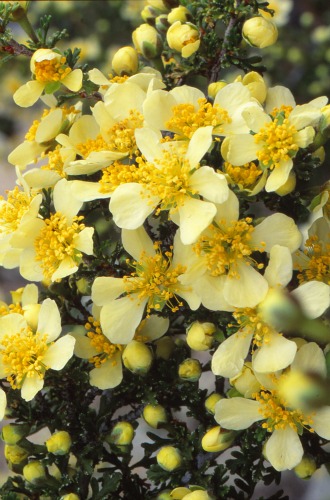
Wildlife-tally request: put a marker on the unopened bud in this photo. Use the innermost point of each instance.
(13, 433)
(190, 370)
(246, 382)
(137, 357)
(169, 458)
(259, 32)
(183, 38)
(122, 434)
(256, 85)
(59, 443)
(200, 336)
(70, 496)
(162, 24)
(15, 454)
(211, 401)
(147, 41)
(306, 468)
(34, 472)
(214, 88)
(125, 61)
(180, 13)
(154, 415)
(216, 439)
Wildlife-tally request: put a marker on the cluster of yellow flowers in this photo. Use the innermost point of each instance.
(147, 150)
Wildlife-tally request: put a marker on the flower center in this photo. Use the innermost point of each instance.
(116, 174)
(56, 242)
(246, 175)
(155, 280)
(53, 70)
(11, 212)
(55, 162)
(31, 133)
(250, 319)
(10, 309)
(185, 119)
(106, 350)
(226, 244)
(22, 356)
(276, 139)
(170, 182)
(278, 416)
(121, 134)
(319, 263)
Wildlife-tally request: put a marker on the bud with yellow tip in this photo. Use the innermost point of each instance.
(59, 443)
(121, 435)
(306, 468)
(216, 439)
(211, 401)
(190, 370)
(169, 458)
(180, 13)
(154, 415)
(34, 472)
(125, 61)
(214, 88)
(137, 357)
(259, 32)
(13, 433)
(200, 336)
(147, 41)
(183, 38)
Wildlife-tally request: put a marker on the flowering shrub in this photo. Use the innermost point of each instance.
(158, 220)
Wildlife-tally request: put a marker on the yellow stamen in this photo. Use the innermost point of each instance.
(53, 70)
(246, 175)
(56, 242)
(319, 261)
(106, 350)
(55, 162)
(11, 212)
(116, 174)
(22, 356)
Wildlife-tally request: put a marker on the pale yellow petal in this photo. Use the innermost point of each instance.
(3, 404)
(58, 354)
(105, 289)
(284, 449)
(313, 298)
(209, 184)
(275, 354)
(277, 229)
(199, 144)
(136, 242)
(120, 319)
(239, 149)
(195, 216)
(130, 207)
(321, 422)
(73, 80)
(28, 94)
(247, 290)
(278, 273)
(237, 413)
(109, 374)
(49, 321)
(228, 359)
(31, 386)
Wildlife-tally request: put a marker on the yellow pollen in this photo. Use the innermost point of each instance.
(87, 147)
(249, 319)
(121, 135)
(116, 174)
(223, 246)
(170, 182)
(186, 119)
(278, 416)
(11, 212)
(105, 349)
(156, 281)
(246, 175)
(118, 79)
(22, 356)
(56, 242)
(277, 140)
(319, 261)
(53, 70)
(10, 309)
(31, 133)
(55, 162)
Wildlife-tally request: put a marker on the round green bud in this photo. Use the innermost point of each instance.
(190, 370)
(306, 468)
(169, 458)
(154, 415)
(200, 336)
(59, 443)
(137, 357)
(34, 472)
(15, 454)
(122, 434)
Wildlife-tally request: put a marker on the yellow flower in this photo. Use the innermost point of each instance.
(183, 38)
(50, 70)
(125, 61)
(26, 355)
(259, 32)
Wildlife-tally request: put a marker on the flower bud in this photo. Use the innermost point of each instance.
(147, 41)
(122, 434)
(149, 14)
(306, 468)
(245, 382)
(319, 153)
(31, 314)
(256, 85)
(125, 61)
(197, 495)
(158, 4)
(13, 433)
(15, 454)
(183, 38)
(214, 88)
(199, 335)
(137, 357)
(211, 401)
(288, 186)
(180, 13)
(164, 347)
(162, 24)
(154, 415)
(83, 286)
(70, 496)
(34, 472)
(165, 495)
(19, 10)
(16, 295)
(59, 443)
(190, 370)
(216, 440)
(169, 458)
(259, 32)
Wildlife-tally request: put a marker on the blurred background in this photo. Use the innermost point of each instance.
(300, 60)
